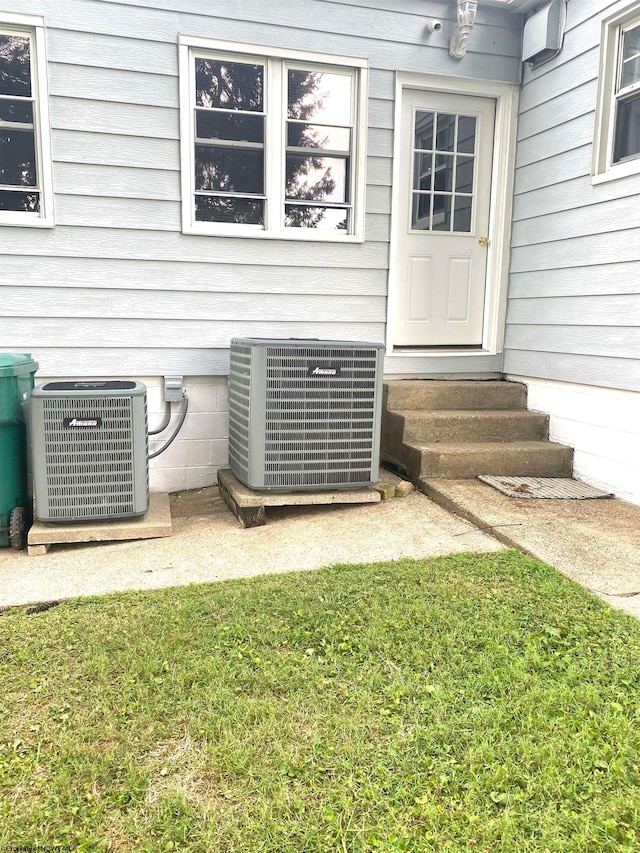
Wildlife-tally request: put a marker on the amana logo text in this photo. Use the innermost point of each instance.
(81, 423)
(323, 370)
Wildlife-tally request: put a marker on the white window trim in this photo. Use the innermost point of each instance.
(33, 25)
(602, 168)
(274, 169)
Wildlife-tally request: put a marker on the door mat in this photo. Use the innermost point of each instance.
(544, 487)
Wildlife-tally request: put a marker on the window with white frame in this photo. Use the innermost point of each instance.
(272, 143)
(626, 126)
(25, 162)
(617, 144)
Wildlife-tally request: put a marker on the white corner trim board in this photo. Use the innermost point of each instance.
(601, 424)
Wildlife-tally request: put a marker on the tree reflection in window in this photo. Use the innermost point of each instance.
(229, 147)
(18, 158)
(230, 153)
(318, 118)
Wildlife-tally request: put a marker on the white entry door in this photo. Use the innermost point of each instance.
(446, 145)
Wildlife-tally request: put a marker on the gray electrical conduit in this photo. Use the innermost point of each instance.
(165, 420)
(183, 415)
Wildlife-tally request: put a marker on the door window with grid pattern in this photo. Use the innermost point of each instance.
(444, 155)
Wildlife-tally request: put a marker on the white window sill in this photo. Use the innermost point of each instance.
(304, 234)
(620, 170)
(27, 222)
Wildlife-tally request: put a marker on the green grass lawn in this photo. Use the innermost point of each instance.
(467, 703)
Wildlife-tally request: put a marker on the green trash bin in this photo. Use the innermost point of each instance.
(16, 382)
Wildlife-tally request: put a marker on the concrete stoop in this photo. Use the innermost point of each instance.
(455, 430)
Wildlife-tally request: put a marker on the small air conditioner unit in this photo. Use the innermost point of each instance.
(89, 450)
(304, 414)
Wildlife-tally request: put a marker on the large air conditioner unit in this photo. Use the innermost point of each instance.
(304, 414)
(89, 450)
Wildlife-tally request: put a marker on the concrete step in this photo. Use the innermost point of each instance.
(403, 394)
(473, 425)
(478, 425)
(464, 460)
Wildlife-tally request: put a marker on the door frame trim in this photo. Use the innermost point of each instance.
(502, 180)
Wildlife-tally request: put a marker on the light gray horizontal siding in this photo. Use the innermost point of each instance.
(145, 275)
(178, 333)
(574, 295)
(104, 149)
(572, 195)
(578, 222)
(579, 251)
(131, 52)
(108, 84)
(549, 171)
(379, 171)
(77, 300)
(114, 243)
(607, 341)
(131, 361)
(117, 269)
(89, 179)
(597, 280)
(579, 130)
(114, 117)
(592, 311)
(567, 106)
(98, 212)
(562, 367)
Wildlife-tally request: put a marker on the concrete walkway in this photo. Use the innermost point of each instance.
(209, 545)
(594, 542)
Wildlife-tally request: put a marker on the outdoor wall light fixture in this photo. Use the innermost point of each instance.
(466, 11)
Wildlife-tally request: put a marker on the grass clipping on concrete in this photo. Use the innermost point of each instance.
(467, 703)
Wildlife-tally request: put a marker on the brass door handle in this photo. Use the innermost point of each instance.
(483, 241)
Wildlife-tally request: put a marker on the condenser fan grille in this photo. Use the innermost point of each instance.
(89, 470)
(304, 414)
(239, 408)
(319, 428)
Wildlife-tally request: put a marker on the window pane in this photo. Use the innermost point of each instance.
(17, 158)
(444, 173)
(229, 85)
(229, 170)
(316, 178)
(422, 171)
(420, 217)
(424, 131)
(18, 111)
(318, 136)
(318, 96)
(631, 57)
(29, 202)
(15, 66)
(627, 130)
(242, 211)
(320, 218)
(631, 42)
(464, 175)
(441, 213)
(215, 125)
(466, 134)
(462, 215)
(630, 72)
(445, 134)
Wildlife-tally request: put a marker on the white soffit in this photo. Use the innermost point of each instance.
(523, 5)
(518, 6)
